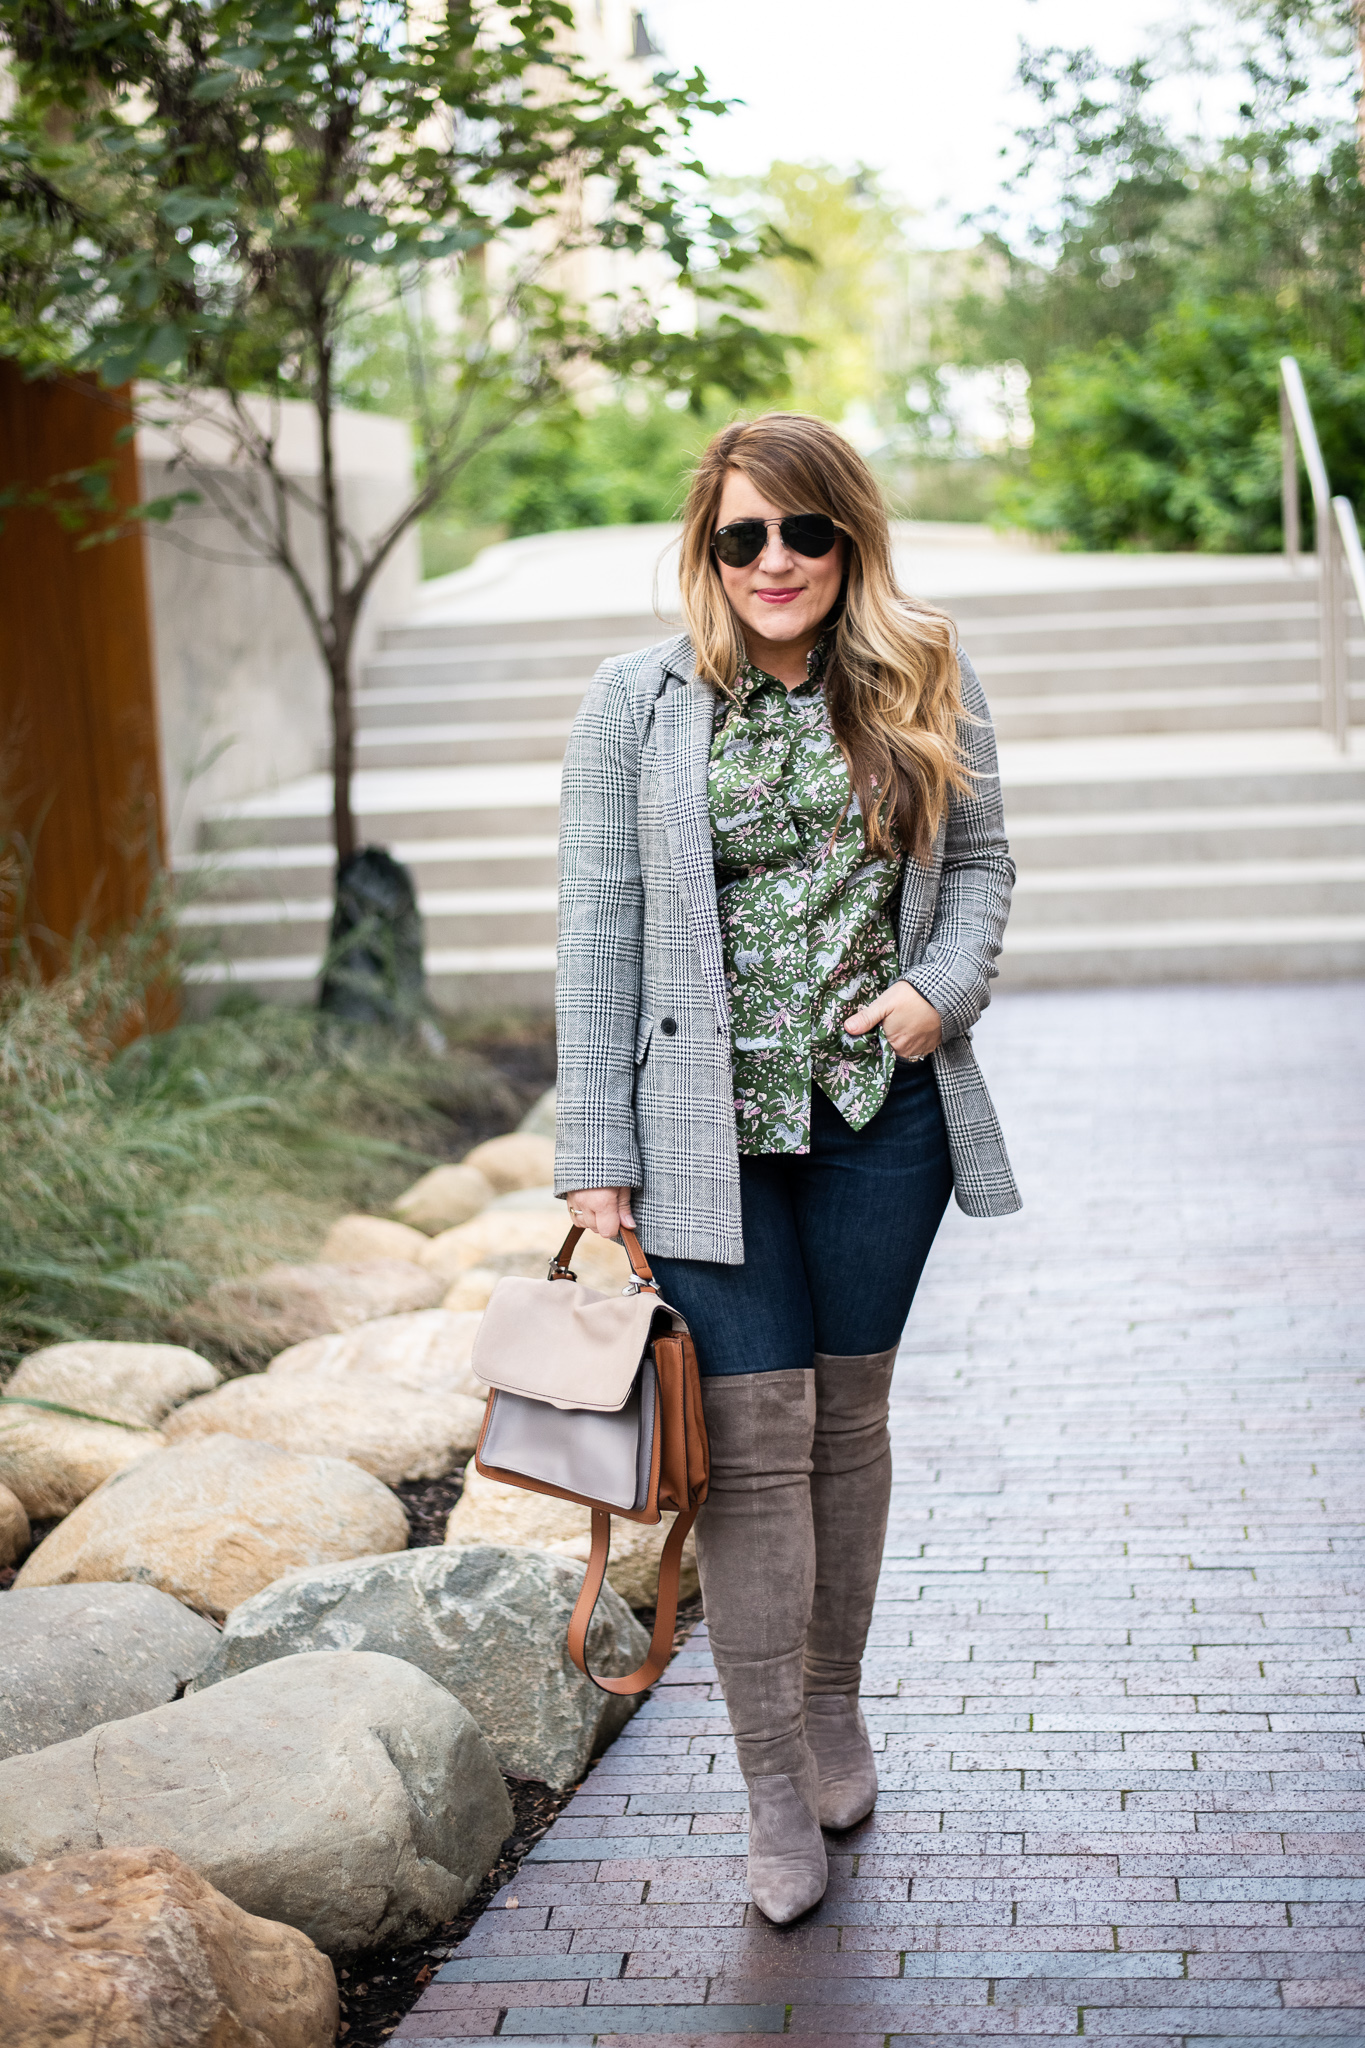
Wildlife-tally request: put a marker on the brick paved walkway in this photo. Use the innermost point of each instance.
(1115, 1662)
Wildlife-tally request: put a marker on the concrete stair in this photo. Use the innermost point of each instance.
(1175, 812)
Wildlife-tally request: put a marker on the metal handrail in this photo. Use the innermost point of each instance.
(1336, 543)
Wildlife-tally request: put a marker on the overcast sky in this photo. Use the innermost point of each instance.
(919, 89)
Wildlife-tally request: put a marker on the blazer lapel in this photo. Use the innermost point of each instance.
(683, 725)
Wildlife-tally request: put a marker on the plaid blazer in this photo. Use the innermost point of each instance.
(645, 1097)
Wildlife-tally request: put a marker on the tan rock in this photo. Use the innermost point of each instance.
(428, 1352)
(446, 1196)
(51, 1462)
(471, 1291)
(489, 1512)
(356, 1416)
(120, 1382)
(15, 1534)
(128, 1948)
(519, 1160)
(359, 1240)
(212, 1521)
(259, 1317)
(517, 1239)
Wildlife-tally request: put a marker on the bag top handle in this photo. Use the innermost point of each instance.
(639, 1264)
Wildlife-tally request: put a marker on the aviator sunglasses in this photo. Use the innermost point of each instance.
(804, 533)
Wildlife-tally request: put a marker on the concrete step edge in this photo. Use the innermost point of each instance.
(1320, 929)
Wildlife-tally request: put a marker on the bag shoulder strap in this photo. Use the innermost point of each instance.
(665, 1605)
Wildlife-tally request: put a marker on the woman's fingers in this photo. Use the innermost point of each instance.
(869, 1017)
(602, 1210)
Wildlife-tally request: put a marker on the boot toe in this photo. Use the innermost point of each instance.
(788, 1868)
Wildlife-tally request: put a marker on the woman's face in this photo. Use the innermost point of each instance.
(781, 596)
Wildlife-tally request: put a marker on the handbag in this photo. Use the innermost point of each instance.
(596, 1398)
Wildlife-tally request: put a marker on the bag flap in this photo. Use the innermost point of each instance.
(556, 1341)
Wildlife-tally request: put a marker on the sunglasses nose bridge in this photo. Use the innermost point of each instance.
(774, 540)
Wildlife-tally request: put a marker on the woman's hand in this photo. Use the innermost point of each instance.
(913, 1028)
(601, 1209)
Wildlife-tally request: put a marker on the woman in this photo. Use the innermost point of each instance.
(783, 885)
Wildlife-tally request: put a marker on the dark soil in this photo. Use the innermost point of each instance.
(427, 1504)
(380, 1987)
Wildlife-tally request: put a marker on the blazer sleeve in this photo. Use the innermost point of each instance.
(601, 924)
(956, 969)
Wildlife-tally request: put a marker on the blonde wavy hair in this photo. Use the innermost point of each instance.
(891, 676)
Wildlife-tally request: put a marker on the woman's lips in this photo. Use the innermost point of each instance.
(777, 596)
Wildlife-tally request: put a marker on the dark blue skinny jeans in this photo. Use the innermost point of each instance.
(835, 1239)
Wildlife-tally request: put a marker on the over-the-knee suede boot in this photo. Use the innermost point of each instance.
(756, 1554)
(850, 1492)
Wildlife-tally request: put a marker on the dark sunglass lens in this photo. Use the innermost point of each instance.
(809, 533)
(741, 543)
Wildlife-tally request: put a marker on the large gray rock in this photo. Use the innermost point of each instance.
(348, 1795)
(74, 1656)
(490, 1624)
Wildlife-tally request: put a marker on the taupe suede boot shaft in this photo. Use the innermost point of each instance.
(850, 1496)
(756, 1556)
(756, 1553)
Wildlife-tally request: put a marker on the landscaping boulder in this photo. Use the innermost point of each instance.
(472, 1292)
(539, 1120)
(74, 1656)
(257, 1318)
(427, 1352)
(212, 1521)
(348, 1795)
(519, 1160)
(129, 1948)
(444, 1197)
(15, 1534)
(521, 1234)
(488, 1512)
(411, 1436)
(115, 1382)
(489, 1623)
(358, 1240)
(51, 1462)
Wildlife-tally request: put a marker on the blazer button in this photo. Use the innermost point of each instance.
(668, 1025)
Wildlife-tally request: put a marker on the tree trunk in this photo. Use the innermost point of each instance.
(343, 748)
(339, 621)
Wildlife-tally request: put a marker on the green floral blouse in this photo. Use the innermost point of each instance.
(804, 913)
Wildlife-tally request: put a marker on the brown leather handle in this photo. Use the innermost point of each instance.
(665, 1605)
(639, 1264)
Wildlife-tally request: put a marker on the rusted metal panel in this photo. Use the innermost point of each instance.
(78, 726)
